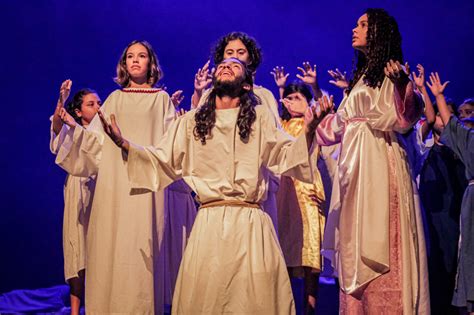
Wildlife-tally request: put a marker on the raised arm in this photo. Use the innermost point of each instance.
(309, 76)
(437, 88)
(64, 92)
(151, 168)
(280, 78)
(315, 115)
(202, 81)
(429, 110)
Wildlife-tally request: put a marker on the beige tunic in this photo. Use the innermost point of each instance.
(124, 242)
(269, 203)
(233, 263)
(357, 233)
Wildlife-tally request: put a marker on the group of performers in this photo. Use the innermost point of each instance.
(276, 187)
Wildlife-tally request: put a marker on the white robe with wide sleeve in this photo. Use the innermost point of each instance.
(125, 261)
(78, 196)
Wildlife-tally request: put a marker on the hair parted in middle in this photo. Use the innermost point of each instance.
(254, 50)
(384, 42)
(205, 116)
(154, 75)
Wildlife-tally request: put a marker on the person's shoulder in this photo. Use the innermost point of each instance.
(115, 93)
(263, 111)
(262, 91)
(188, 117)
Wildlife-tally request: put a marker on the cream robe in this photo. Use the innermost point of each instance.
(357, 233)
(233, 263)
(78, 196)
(267, 99)
(124, 242)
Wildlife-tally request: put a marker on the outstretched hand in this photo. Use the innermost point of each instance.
(203, 77)
(339, 79)
(64, 92)
(314, 114)
(436, 87)
(176, 98)
(66, 118)
(113, 131)
(420, 78)
(280, 76)
(308, 74)
(397, 73)
(180, 112)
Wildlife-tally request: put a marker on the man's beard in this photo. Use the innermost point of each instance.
(231, 89)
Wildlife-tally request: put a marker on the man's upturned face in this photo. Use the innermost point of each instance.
(229, 78)
(229, 70)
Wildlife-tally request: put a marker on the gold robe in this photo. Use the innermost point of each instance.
(301, 220)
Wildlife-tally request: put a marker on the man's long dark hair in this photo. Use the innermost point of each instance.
(205, 116)
(384, 42)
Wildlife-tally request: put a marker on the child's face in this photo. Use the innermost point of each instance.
(89, 107)
(297, 104)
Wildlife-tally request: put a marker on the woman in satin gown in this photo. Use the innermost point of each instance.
(374, 235)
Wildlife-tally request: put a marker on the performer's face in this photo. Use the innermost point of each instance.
(236, 49)
(359, 34)
(297, 105)
(229, 70)
(89, 107)
(137, 60)
(466, 114)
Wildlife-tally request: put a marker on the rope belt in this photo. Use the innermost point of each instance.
(238, 203)
(471, 182)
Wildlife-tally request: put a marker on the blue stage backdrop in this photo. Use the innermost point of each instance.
(46, 42)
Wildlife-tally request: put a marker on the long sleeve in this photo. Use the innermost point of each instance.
(154, 168)
(330, 130)
(409, 109)
(80, 152)
(56, 140)
(460, 139)
(283, 154)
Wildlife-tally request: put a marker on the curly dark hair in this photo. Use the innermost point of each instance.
(205, 116)
(254, 50)
(76, 103)
(384, 42)
(296, 87)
